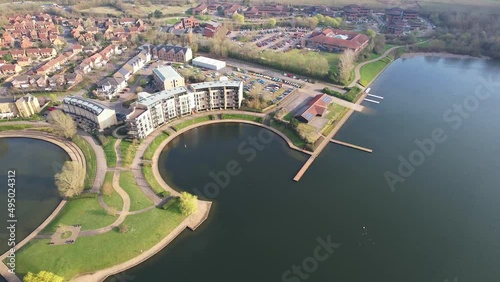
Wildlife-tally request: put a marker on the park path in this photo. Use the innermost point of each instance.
(357, 69)
(121, 192)
(101, 165)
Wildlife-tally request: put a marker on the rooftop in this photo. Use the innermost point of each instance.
(206, 60)
(162, 95)
(90, 105)
(167, 72)
(230, 83)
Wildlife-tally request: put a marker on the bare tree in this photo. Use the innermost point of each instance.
(70, 181)
(63, 124)
(346, 64)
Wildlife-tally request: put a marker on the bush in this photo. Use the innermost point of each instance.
(84, 196)
(122, 228)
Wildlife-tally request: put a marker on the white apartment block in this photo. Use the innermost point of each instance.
(154, 110)
(167, 78)
(89, 112)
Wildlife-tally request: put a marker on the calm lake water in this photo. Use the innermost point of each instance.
(442, 222)
(36, 162)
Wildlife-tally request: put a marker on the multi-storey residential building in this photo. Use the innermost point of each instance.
(172, 53)
(167, 78)
(153, 110)
(25, 106)
(89, 113)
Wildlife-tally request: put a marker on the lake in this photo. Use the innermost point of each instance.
(36, 162)
(425, 206)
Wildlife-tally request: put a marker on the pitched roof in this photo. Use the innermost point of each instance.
(316, 106)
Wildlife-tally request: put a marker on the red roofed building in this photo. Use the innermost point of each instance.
(211, 28)
(316, 107)
(200, 9)
(338, 40)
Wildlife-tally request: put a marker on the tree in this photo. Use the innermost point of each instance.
(346, 64)
(220, 10)
(272, 22)
(379, 44)
(294, 123)
(70, 181)
(138, 89)
(157, 14)
(371, 33)
(64, 125)
(42, 276)
(7, 57)
(188, 203)
(238, 18)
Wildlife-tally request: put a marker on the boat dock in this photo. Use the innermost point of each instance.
(373, 101)
(326, 141)
(375, 96)
(352, 146)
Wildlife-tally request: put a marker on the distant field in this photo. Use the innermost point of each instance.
(142, 10)
(102, 10)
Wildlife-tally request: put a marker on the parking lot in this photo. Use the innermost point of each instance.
(278, 39)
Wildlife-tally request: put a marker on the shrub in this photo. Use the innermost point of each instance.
(122, 228)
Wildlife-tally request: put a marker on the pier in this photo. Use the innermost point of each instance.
(327, 139)
(373, 101)
(375, 96)
(352, 146)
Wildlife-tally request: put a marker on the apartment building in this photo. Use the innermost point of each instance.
(89, 113)
(167, 78)
(153, 110)
(25, 106)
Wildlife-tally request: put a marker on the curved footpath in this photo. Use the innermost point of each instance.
(73, 152)
(101, 165)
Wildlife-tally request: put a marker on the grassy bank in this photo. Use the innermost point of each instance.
(127, 150)
(5, 127)
(150, 178)
(90, 160)
(138, 200)
(370, 71)
(109, 151)
(242, 117)
(191, 122)
(150, 151)
(113, 200)
(90, 254)
(336, 112)
(84, 211)
(292, 135)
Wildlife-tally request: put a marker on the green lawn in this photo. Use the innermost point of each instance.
(242, 117)
(370, 71)
(288, 116)
(109, 151)
(127, 149)
(84, 211)
(4, 127)
(89, 254)
(191, 122)
(113, 200)
(150, 151)
(90, 160)
(333, 60)
(336, 112)
(294, 137)
(138, 200)
(148, 174)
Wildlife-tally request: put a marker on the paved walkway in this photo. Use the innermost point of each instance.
(121, 192)
(73, 152)
(102, 166)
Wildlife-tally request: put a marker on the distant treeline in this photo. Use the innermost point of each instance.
(465, 33)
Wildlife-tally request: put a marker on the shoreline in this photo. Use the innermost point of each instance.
(441, 55)
(74, 154)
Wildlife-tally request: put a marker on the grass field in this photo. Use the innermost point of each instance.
(114, 200)
(109, 151)
(370, 71)
(294, 137)
(138, 200)
(90, 160)
(4, 127)
(148, 175)
(89, 254)
(103, 10)
(127, 150)
(84, 211)
(150, 151)
(333, 60)
(191, 122)
(242, 117)
(336, 112)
